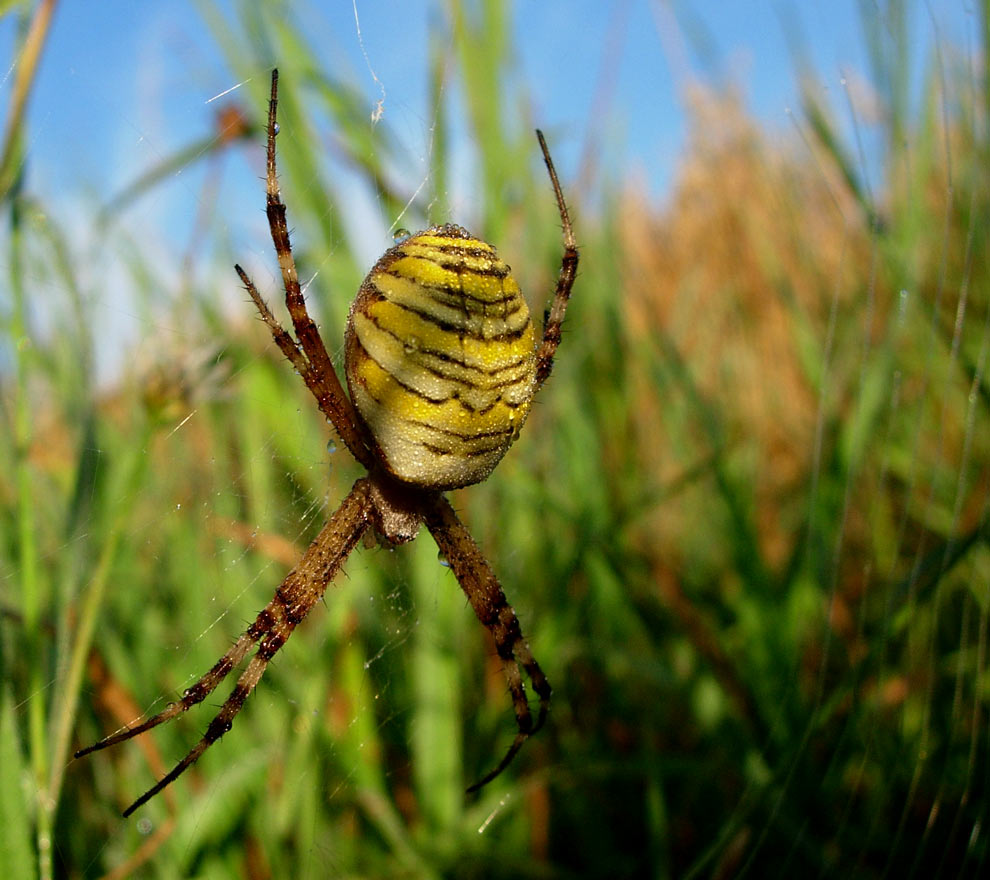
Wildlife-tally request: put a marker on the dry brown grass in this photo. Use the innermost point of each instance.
(755, 240)
(740, 271)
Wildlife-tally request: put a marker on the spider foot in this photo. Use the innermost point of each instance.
(517, 743)
(524, 718)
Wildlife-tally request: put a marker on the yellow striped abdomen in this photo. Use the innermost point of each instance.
(440, 358)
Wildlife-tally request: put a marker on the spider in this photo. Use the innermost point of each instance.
(442, 363)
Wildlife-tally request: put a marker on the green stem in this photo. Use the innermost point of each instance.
(29, 55)
(31, 587)
(67, 700)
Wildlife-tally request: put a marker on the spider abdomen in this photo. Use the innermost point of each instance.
(440, 358)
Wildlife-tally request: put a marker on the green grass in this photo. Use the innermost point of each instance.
(745, 529)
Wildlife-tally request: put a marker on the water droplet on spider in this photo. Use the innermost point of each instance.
(277, 128)
(401, 234)
(331, 446)
(443, 560)
(411, 344)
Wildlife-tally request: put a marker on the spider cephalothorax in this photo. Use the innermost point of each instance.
(442, 364)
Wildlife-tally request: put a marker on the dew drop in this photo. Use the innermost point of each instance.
(144, 826)
(400, 235)
(277, 128)
(331, 446)
(443, 560)
(903, 305)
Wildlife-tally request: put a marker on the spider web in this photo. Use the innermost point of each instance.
(787, 456)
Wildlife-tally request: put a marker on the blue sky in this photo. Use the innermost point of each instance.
(126, 81)
(125, 84)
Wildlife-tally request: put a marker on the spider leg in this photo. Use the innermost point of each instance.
(309, 356)
(484, 592)
(290, 348)
(565, 280)
(302, 588)
(193, 695)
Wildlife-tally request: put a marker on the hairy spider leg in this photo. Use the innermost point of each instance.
(485, 594)
(295, 597)
(313, 363)
(308, 581)
(565, 280)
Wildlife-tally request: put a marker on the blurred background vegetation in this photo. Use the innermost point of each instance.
(745, 529)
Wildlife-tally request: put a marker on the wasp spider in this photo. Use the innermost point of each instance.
(442, 364)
